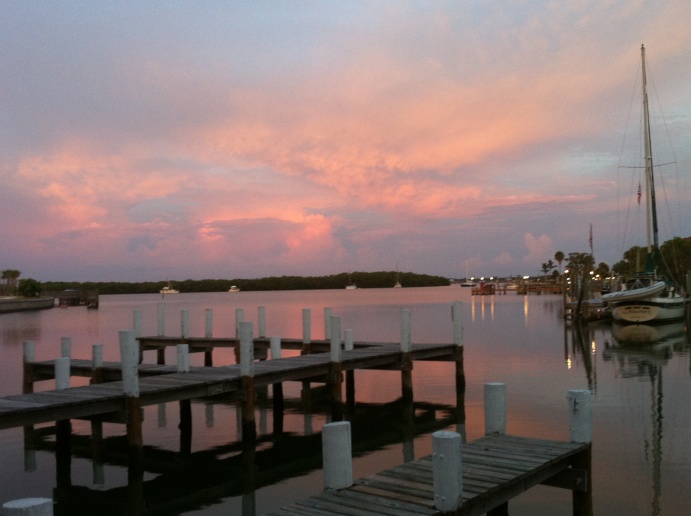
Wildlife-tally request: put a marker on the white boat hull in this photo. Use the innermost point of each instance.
(650, 310)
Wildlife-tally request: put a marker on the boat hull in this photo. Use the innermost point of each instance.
(653, 310)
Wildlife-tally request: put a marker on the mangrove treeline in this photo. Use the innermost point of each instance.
(382, 279)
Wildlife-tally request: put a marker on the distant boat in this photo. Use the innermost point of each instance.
(467, 282)
(647, 297)
(169, 290)
(234, 288)
(398, 279)
(350, 285)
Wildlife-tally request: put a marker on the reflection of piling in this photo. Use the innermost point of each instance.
(63, 428)
(277, 390)
(581, 431)
(407, 408)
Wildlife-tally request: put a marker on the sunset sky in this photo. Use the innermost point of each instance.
(233, 139)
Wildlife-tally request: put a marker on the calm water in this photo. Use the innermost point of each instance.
(642, 412)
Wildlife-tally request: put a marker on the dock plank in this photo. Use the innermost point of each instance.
(484, 487)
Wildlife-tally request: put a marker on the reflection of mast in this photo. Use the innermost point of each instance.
(656, 410)
(580, 344)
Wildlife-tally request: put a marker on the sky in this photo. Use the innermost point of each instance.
(164, 140)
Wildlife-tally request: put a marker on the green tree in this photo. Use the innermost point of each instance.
(9, 279)
(29, 287)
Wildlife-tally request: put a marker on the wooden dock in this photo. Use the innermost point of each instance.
(496, 468)
(161, 384)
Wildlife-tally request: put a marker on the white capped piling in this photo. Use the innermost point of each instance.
(161, 319)
(65, 347)
(28, 507)
(29, 357)
(406, 343)
(348, 340)
(183, 358)
(261, 321)
(208, 323)
(246, 349)
(97, 356)
(239, 318)
(335, 338)
(246, 337)
(62, 373)
(275, 345)
(129, 359)
(327, 323)
(97, 363)
(447, 470)
(137, 322)
(129, 355)
(495, 408)
(580, 415)
(337, 455)
(306, 325)
(185, 324)
(457, 323)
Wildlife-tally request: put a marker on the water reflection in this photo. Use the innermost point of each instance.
(642, 352)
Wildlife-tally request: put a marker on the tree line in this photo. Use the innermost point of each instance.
(381, 279)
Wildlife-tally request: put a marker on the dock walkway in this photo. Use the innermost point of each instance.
(161, 384)
(496, 468)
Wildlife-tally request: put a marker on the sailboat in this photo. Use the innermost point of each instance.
(398, 278)
(647, 298)
(169, 290)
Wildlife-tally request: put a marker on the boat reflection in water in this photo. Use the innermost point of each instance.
(642, 351)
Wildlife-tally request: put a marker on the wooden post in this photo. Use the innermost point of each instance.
(407, 407)
(306, 393)
(208, 333)
(337, 455)
(249, 430)
(239, 318)
(349, 345)
(129, 358)
(277, 389)
(581, 431)
(335, 379)
(306, 331)
(327, 323)
(261, 321)
(65, 347)
(161, 319)
(137, 323)
(62, 373)
(183, 353)
(185, 324)
(29, 358)
(460, 371)
(97, 471)
(447, 471)
(28, 507)
(495, 408)
(97, 363)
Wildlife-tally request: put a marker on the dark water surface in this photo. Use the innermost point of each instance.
(640, 377)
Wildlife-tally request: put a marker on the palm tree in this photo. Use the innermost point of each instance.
(9, 277)
(559, 257)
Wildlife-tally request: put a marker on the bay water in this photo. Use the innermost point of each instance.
(640, 377)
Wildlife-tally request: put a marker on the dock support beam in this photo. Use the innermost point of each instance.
(460, 368)
(208, 333)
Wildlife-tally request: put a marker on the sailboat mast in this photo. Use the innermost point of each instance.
(651, 209)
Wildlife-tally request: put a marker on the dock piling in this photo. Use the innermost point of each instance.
(29, 357)
(495, 408)
(447, 470)
(337, 455)
(335, 379)
(261, 321)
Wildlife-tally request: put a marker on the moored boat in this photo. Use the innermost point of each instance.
(647, 297)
